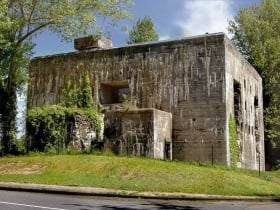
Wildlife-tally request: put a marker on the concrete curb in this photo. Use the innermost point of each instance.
(93, 191)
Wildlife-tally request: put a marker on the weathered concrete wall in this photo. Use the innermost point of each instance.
(248, 112)
(140, 132)
(184, 77)
(80, 132)
(162, 131)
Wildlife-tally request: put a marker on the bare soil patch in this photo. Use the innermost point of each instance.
(20, 167)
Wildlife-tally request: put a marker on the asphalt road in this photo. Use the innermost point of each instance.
(12, 200)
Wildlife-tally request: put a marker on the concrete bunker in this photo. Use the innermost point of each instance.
(198, 80)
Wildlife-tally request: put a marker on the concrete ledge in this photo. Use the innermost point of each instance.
(93, 191)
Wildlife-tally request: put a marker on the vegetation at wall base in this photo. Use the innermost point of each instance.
(233, 142)
(139, 174)
(46, 125)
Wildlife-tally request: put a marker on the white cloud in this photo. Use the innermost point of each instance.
(201, 16)
(164, 37)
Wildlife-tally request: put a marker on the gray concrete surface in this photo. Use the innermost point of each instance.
(15, 200)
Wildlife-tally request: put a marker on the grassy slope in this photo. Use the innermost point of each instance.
(138, 174)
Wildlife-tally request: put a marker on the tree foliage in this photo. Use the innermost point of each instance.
(143, 31)
(256, 32)
(21, 20)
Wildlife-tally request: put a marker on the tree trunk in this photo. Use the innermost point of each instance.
(8, 124)
(8, 115)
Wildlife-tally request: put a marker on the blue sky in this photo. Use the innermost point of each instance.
(172, 19)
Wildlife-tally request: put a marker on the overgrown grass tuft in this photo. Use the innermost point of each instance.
(138, 174)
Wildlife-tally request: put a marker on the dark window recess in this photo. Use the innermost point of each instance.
(237, 106)
(256, 106)
(167, 151)
(256, 101)
(114, 92)
(237, 102)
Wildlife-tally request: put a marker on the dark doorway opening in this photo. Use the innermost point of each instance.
(167, 151)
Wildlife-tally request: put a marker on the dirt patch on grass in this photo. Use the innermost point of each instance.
(277, 180)
(20, 167)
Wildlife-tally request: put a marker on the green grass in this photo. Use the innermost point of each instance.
(138, 174)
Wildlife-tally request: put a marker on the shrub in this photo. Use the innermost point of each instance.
(46, 126)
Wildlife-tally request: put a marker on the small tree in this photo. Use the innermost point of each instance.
(143, 31)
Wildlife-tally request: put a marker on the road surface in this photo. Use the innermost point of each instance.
(12, 200)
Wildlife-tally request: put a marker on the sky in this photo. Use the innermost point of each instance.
(172, 19)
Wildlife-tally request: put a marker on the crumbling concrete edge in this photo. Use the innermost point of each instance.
(94, 191)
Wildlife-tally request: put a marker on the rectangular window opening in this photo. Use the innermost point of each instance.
(256, 101)
(256, 110)
(237, 101)
(237, 106)
(114, 92)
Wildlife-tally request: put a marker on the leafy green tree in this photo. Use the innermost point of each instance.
(256, 32)
(21, 20)
(143, 31)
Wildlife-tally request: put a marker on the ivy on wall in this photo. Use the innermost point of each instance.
(78, 94)
(233, 142)
(46, 126)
